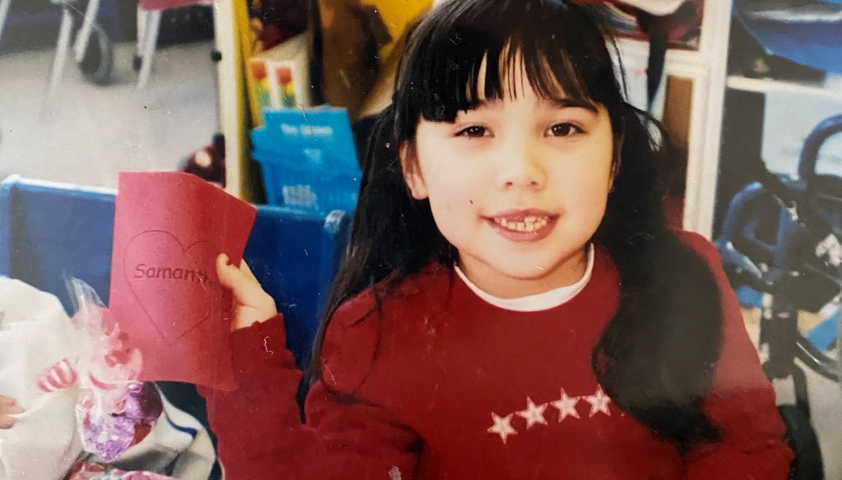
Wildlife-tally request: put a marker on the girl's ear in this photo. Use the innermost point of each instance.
(412, 172)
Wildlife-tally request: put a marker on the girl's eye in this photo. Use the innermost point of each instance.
(564, 130)
(474, 131)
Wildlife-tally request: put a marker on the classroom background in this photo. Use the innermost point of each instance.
(272, 100)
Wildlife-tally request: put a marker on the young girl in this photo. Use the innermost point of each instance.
(512, 304)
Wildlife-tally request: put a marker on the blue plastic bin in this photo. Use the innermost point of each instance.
(49, 231)
(308, 159)
(306, 186)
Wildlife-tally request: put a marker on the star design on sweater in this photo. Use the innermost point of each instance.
(566, 406)
(502, 426)
(533, 414)
(599, 402)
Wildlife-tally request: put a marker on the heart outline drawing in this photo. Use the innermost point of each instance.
(209, 301)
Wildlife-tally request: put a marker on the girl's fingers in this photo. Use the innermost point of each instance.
(244, 267)
(242, 283)
(229, 275)
(8, 406)
(6, 421)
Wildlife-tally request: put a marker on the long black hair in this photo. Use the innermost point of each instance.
(655, 359)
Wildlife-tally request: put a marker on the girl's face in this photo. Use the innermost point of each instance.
(518, 186)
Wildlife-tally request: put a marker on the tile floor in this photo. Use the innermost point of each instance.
(91, 132)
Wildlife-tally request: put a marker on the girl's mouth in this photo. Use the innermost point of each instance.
(523, 226)
(527, 225)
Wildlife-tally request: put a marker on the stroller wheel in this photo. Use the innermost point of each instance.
(801, 437)
(98, 60)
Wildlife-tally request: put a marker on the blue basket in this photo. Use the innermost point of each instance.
(298, 183)
(308, 159)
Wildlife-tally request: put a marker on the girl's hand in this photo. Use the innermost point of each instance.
(251, 304)
(8, 406)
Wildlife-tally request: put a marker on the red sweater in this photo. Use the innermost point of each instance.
(440, 384)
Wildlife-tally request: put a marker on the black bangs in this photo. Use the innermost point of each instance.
(556, 45)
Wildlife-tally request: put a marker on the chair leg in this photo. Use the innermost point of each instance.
(4, 12)
(62, 48)
(147, 48)
(142, 18)
(84, 35)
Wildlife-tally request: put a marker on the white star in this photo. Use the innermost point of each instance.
(599, 402)
(533, 413)
(566, 406)
(502, 426)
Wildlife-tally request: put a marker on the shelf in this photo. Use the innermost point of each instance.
(831, 89)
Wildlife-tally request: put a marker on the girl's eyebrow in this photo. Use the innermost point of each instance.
(483, 104)
(565, 102)
(568, 102)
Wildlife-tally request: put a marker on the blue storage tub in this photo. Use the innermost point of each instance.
(308, 159)
(49, 231)
(306, 185)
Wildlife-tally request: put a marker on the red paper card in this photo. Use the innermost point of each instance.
(169, 228)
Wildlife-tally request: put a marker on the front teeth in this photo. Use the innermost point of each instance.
(528, 225)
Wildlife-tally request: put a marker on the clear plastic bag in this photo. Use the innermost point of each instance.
(114, 411)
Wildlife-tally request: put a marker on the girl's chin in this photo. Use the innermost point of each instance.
(536, 275)
(512, 279)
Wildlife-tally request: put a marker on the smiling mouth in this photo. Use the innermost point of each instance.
(524, 226)
(530, 224)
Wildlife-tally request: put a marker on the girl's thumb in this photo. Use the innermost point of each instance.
(230, 276)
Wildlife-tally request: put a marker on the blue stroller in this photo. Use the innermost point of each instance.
(781, 238)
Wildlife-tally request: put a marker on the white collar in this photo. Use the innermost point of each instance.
(538, 302)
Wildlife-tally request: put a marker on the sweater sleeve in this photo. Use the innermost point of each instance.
(259, 428)
(741, 402)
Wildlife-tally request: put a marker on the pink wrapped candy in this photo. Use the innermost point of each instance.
(114, 411)
(59, 376)
(110, 433)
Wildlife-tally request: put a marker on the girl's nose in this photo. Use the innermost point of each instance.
(521, 166)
